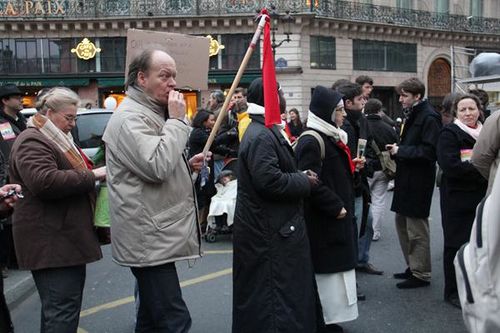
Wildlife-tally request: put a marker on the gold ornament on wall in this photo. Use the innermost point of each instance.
(86, 49)
(214, 47)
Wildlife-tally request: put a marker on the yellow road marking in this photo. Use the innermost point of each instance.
(81, 330)
(218, 252)
(130, 299)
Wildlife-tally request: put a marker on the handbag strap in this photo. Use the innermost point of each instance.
(375, 148)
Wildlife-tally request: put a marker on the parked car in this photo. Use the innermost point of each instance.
(90, 125)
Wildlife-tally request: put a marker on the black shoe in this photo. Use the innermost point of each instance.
(403, 276)
(454, 300)
(361, 296)
(412, 283)
(368, 269)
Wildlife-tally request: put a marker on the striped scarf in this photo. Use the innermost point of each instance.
(63, 141)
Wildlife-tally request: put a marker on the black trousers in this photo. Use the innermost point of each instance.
(450, 279)
(161, 308)
(60, 291)
(5, 322)
(7, 252)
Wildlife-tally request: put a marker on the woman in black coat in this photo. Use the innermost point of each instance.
(273, 279)
(202, 124)
(462, 186)
(330, 209)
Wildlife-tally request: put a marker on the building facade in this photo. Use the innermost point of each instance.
(327, 40)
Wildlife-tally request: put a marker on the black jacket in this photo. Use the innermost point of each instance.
(295, 130)
(462, 186)
(9, 129)
(273, 278)
(359, 130)
(382, 133)
(333, 241)
(416, 162)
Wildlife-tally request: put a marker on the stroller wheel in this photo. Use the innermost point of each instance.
(210, 237)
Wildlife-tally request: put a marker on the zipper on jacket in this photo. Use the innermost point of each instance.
(461, 263)
(479, 224)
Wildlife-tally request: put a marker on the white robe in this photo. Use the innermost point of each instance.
(337, 293)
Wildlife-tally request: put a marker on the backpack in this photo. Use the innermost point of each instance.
(388, 164)
(318, 137)
(477, 266)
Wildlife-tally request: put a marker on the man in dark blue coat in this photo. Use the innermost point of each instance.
(273, 279)
(414, 182)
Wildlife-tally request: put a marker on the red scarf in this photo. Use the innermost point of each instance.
(346, 149)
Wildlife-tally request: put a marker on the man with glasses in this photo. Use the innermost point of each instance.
(12, 122)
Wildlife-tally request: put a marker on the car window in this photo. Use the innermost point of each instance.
(90, 128)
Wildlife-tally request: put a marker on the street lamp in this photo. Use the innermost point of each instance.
(285, 19)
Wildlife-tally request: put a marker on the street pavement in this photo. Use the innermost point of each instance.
(207, 288)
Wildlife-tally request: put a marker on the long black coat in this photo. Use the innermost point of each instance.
(333, 241)
(416, 162)
(273, 278)
(462, 186)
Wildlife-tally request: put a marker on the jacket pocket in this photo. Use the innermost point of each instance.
(461, 263)
(172, 215)
(294, 227)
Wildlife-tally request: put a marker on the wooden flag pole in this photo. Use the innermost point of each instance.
(235, 84)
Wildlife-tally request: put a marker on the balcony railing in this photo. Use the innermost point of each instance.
(343, 10)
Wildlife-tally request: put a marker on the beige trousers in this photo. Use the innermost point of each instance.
(413, 234)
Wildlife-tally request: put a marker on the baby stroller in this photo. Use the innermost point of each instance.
(222, 206)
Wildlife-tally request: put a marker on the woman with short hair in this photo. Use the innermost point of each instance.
(53, 224)
(462, 186)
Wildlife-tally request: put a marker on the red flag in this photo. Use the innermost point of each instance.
(271, 99)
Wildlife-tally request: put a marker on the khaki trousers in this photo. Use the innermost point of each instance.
(413, 234)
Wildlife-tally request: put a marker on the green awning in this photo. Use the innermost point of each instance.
(216, 78)
(66, 82)
(111, 82)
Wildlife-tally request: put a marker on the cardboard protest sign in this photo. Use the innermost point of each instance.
(189, 52)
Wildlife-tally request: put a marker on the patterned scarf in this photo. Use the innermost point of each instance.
(63, 141)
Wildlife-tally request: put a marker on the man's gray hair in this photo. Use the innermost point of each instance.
(141, 63)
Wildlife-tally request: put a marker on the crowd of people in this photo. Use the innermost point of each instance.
(311, 195)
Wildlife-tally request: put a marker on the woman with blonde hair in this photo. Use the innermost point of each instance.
(53, 229)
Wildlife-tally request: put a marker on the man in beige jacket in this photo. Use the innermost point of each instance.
(151, 195)
(486, 153)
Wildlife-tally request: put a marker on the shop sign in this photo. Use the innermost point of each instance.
(214, 46)
(189, 52)
(86, 49)
(32, 8)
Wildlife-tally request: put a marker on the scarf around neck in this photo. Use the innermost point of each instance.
(138, 95)
(63, 141)
(315, 122)
(474, 132)
(338, 135)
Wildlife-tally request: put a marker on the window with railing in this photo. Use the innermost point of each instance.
(384, 56)
(442, 6)
(476, 8)
(405, 4)
(322, 52)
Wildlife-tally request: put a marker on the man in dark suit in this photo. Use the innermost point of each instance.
(414, 183)
(12, 122)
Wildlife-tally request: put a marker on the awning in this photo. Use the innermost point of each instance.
(66, 82)
(224, 78)
(111, 82)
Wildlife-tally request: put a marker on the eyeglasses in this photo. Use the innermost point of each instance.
(69, 119)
